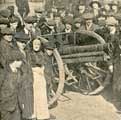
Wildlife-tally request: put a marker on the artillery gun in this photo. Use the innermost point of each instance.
(82, 67)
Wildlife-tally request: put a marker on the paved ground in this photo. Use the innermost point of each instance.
(82, 107)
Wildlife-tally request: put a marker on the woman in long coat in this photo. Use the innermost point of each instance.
(39, 85)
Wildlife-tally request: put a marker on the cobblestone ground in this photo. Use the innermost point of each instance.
(82, 107)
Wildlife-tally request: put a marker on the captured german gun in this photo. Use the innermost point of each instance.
(84, 63)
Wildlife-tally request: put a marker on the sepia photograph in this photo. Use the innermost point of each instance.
(60, 59)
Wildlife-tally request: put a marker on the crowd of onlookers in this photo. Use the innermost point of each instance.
(26, 49)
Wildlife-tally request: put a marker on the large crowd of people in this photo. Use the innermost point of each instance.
(26, 49)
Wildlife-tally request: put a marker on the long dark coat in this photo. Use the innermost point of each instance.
(25, 90)
(16, 87)
(114, 52)
(116, 60)
(9, 80)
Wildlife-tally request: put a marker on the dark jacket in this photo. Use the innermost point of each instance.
(68, 38)
(37, 59)
(9, 80)
(114, 52)
(26, 87)
(16, 87)
(94, 27)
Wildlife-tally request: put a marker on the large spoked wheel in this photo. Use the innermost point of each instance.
(58, 65)
(86, 76)
(60, 78)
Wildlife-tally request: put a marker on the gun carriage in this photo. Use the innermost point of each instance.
(81, 66)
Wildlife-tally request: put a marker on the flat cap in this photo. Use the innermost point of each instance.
(111, 21)
(68, 20)
(5, 13)
(7, 31)
(3, 20)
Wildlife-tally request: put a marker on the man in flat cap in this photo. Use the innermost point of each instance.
(88, 22)
(31, 28)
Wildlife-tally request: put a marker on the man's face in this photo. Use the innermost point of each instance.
(115, 8)
(8, 38)
(107, 7)
(95, 6)
(82, 8)
(14, 25)
(89, 21)
(54, 10)
(57, 19)
(29, 26)
(68, 26)
(21, 45)
(36, 45)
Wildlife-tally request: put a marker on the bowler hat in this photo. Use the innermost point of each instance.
(21, 37)
(95, 1)
(7, 31)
